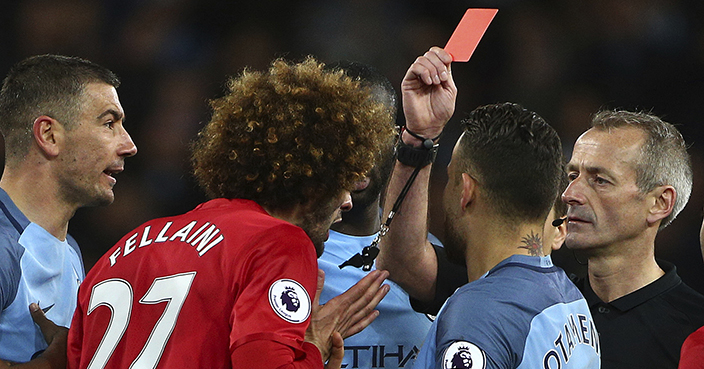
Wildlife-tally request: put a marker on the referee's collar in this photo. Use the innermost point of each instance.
(624, 303)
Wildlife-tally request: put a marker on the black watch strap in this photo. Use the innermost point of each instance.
(415, 157)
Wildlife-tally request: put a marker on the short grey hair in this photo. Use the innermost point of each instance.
(663, 158)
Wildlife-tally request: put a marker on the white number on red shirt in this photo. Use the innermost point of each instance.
(117, 294)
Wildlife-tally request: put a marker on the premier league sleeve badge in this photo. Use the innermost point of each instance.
(463, 355)
(290, 300)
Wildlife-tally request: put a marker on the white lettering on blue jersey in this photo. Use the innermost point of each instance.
(393, 338)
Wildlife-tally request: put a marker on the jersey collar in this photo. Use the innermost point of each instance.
(624, 303)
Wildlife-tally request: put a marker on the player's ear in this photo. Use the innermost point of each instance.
(469, 190)
(48, 134)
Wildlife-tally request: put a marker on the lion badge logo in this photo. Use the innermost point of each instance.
(463, 355)
(290, 300)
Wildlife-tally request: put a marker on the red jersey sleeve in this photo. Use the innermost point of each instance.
(692, 355)
(273, 300)
(249, 355)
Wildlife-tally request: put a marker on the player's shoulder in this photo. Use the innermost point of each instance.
(240, 222)
(504, 294)
(9, 227)
(550, 282)
(239, 214)
(10, 250)
(281, 237)
(480, 297)
(10, 268)
(500, 282)
(476, 319)
(9, 244)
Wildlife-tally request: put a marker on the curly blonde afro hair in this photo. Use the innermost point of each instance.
(294, 134)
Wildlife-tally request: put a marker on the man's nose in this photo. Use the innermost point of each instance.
(127, 147)
(347, 202)
(573, 194)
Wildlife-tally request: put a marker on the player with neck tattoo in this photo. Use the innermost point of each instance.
(518, 309)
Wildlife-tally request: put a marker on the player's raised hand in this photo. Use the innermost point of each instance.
(347, 313)
(429, 93)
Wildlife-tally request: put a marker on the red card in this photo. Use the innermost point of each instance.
(468, 33)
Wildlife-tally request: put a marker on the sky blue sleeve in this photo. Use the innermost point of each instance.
(10, 272)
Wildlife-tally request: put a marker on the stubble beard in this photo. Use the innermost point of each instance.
(316, 225)
(85, 196)
(454, 244)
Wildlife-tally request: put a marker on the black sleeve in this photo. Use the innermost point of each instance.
(450, 277)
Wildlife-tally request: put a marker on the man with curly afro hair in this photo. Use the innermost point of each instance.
(279, 157)
(398, 328)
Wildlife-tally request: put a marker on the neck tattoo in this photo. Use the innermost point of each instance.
(533, 244)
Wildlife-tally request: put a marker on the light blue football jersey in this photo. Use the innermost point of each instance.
(394, 338)
(34, 267)
(524, 313)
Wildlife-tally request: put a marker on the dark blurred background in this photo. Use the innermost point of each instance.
(565, 59)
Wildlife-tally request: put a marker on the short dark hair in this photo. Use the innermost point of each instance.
(516, 157)
(51, 85)
(294, 134)
(663, 157)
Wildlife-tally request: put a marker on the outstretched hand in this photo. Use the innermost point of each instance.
(346, 314)
(54, 357)
(429, 93)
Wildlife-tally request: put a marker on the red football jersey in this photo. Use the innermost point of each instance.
(189, 290)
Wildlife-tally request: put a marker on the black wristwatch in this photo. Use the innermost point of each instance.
(416, 156)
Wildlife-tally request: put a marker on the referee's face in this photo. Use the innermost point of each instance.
(606, 208)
